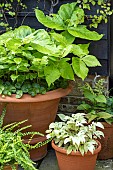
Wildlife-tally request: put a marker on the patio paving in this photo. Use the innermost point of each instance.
(50, 163)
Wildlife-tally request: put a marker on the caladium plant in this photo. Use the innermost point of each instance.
(74, 134)
(35, 61)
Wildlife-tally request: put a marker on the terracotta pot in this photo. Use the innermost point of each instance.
(106, 142)
(75, 161)
(40, 110)
(40, 152)
(8, 167)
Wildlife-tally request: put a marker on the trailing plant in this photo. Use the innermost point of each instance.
(103, 10)
(11, 8)
(13, 150)
(37, 61)
(97, 103)
(74, 134)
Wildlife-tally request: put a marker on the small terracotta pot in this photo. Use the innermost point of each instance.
(37, 152)
(106, 142)
(75, 161)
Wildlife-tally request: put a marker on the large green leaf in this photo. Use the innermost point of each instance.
(66, 10)
(54, 22)
(89, 95)
(70, 38)
(91, 61)
(13, 44)
(104, 115)
(67, 50)
(80, 49)
(14, 77)
(5, 37)
(22, 31)
(59, 38)
(42, 36)
(48, 49)
(84, 106)
(66, 70)
(101, 99)
(90, 116)
(82, 32)
(77, 17)
(79, 67)
(17, 60)
(51, 74)
(2, 51)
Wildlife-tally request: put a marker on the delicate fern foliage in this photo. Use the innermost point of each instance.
(12, 148)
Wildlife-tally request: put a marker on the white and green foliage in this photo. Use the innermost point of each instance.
(12, 149)
(97, 103)
(41, 57)
(74, 134)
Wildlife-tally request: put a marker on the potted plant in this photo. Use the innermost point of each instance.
(35, 62)
(98, 106)
(75, 141)
(13, 149)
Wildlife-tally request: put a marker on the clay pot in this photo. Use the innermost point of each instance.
(106, 142)
(75, 161)
(40, 111)
(8, 167)
(40, 152)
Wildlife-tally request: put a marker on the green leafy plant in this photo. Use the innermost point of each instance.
(36, 61)
(12, 8)
(74, 134)
(13, 150)
(98, 105)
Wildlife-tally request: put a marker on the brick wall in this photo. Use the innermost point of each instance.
(69, 103)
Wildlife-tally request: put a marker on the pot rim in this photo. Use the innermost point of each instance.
(63, 151)
(50, 95)
(107, 125)
(35, 140)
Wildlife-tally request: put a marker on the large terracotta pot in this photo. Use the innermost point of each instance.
(75, 161)
(40, 111)
(106, 142)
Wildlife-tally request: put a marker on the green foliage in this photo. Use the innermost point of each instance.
(68, 21)
(38, 56)
(27, 61)
(74, 134)
(11, 7)
(103, 10)
(98, 105)
(12, 149)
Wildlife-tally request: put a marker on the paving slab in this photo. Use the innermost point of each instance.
(49, 162)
